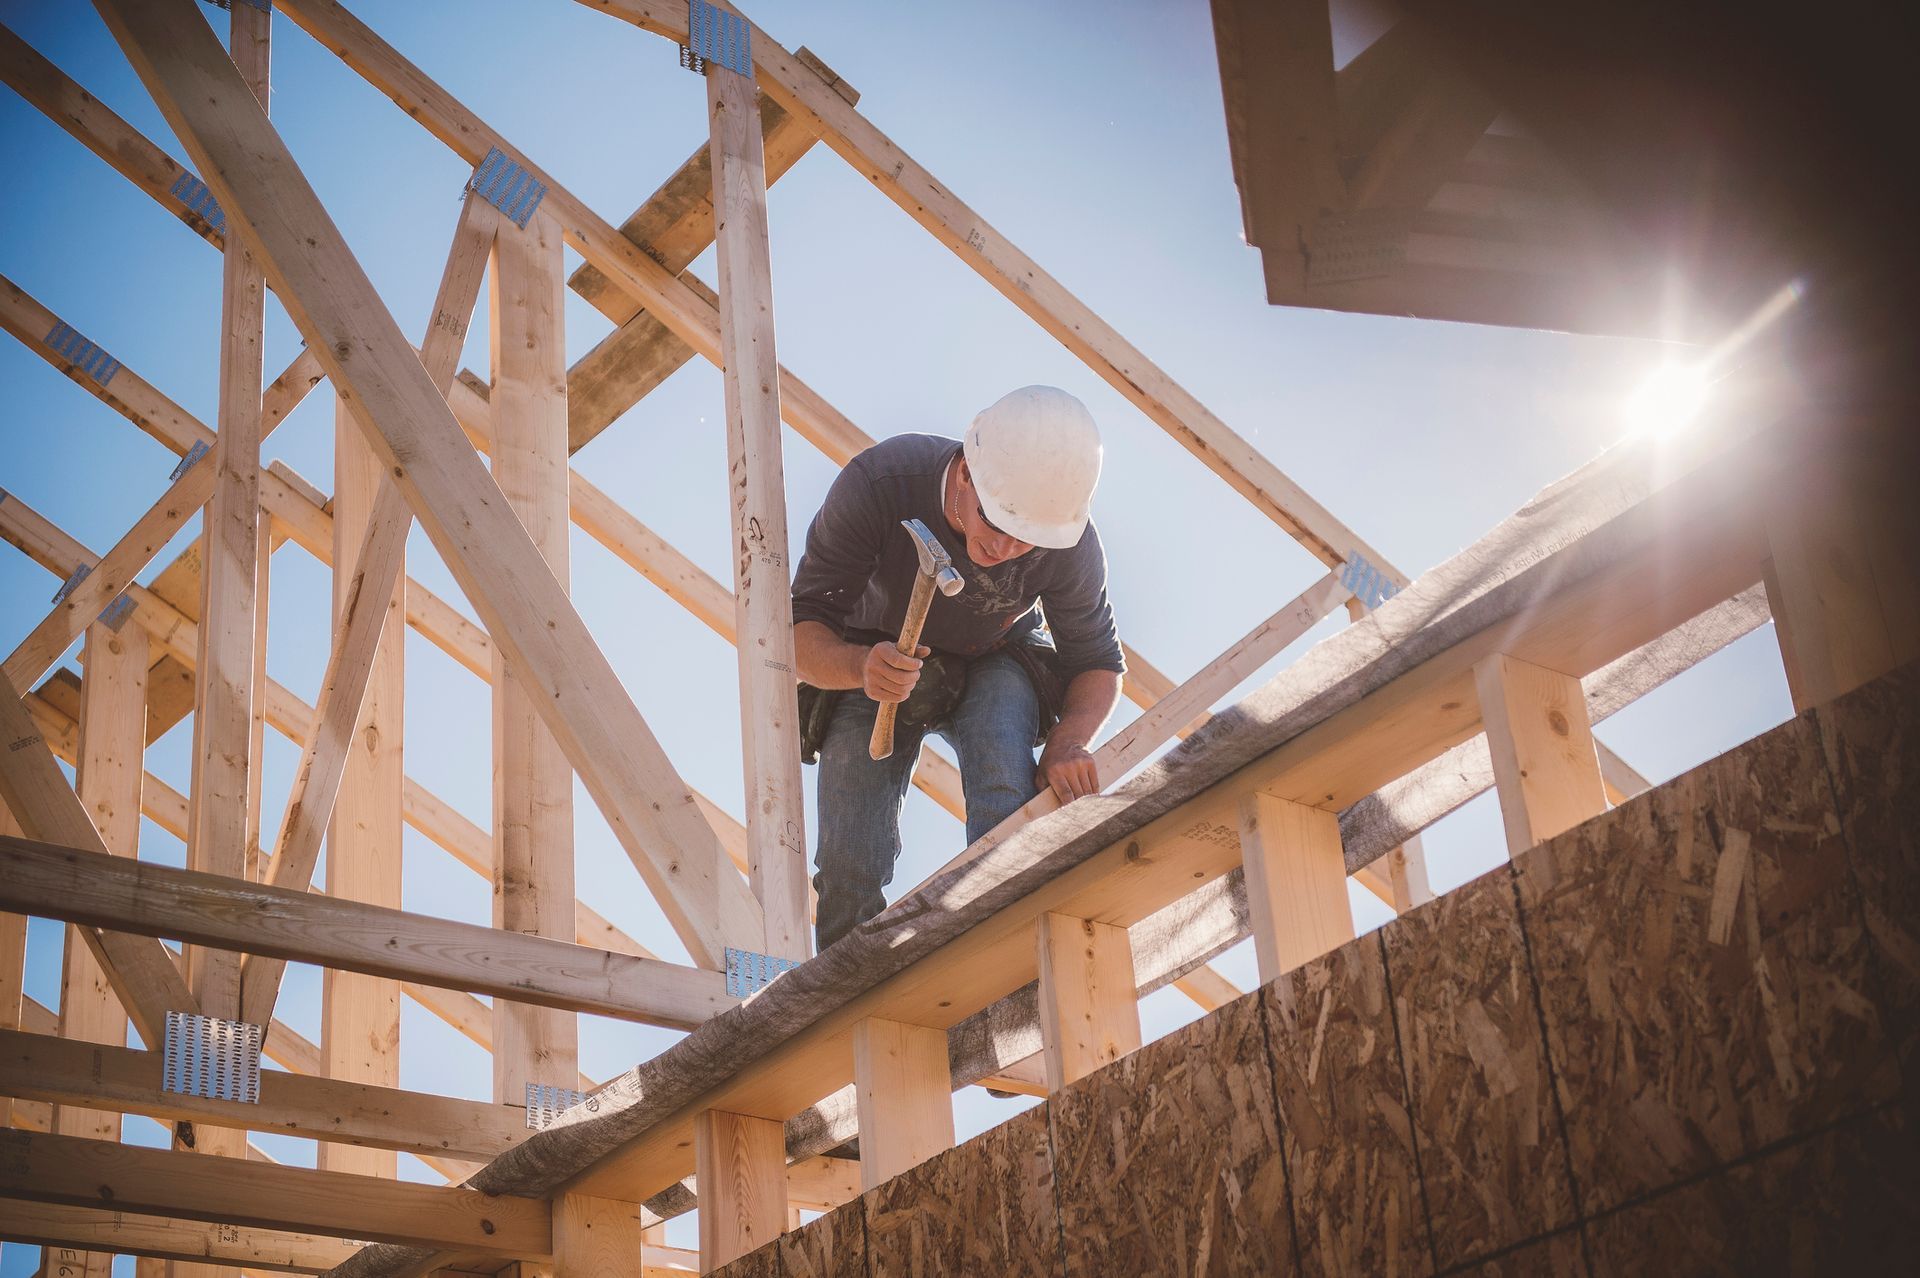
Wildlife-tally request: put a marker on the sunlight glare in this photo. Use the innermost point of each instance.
(1671, 397)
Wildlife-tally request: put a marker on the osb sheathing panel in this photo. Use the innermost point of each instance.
(1556, 1256)
(1344, 1125)
(833, 1246)
(761, 1262)
(1167, 1161)
(1703, 970)
(1491, 1152)
(1839, 1202)
(1872, 742)
(985, 1207)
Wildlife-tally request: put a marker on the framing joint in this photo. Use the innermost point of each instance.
(716, 35)
(748, 972)
(214, 1058)
(508, 187)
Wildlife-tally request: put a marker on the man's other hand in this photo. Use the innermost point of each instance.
(1067, 770)
(889, 674)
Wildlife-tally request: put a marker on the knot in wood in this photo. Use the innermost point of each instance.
(1558, 722)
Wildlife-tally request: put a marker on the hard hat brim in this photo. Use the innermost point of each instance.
(1063, 536)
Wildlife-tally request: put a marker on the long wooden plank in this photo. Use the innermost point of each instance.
(118, 1080)
(533, 839)
(112, 739)
(1541, 743)
(77, 886)
(140, 969)
(164, 1238)
(769, 713)
(271, 207)
(1022, 281)
(92, 1173)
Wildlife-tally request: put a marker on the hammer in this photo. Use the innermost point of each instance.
(936, 569)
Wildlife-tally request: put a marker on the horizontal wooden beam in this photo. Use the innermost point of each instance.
(68, 1072)
(164, 1238)
(76, 886)
(74, 1172)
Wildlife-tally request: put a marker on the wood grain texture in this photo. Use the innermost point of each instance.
(1494, 1164)
(901, 1081)
(1089, 1011)
(833, 1246)
(1703, 970)
(986, 1207)
(1544, 762)
(741, 1167)
(1555, 1256)
(596, 1238)
(1871, 741)
(1345, 1130)
(1167, 1161)
(761, 1262)
(1839, 1202)
(1296, 879)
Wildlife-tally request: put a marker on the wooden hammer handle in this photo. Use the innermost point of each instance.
(922, 598)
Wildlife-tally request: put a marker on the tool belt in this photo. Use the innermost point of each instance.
(943, 681)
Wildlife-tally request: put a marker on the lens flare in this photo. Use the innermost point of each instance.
(1668, 400)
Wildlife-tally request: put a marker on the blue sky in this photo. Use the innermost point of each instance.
(1089, 133)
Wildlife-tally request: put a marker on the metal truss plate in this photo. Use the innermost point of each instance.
(748, 973)
(193, 193)
(1368, 584)
(82, 354)
(716, 35)
(213, 1058)
(508, 187)
(1363, 245)
(546, 1103)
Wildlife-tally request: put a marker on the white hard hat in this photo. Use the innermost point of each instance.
(1034, 455)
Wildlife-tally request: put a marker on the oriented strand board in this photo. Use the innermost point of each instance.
(1872, 743)
(761, 1262)
(1840, 1202)
(1167, 1161)
(985, 1207)
(1493, 1160)
(1344, 1124)
(1555, 1256)
(1703, 970)
(833, 1246)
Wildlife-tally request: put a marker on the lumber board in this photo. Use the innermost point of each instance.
(742, 1173)
(165, 1238)
(1089, 1011)
(1541, 744)
(407, 422)
(107, 1077)
(756, 484)
(90, 1173)
(533, 825)
(905, 1100)
(78, 886)
(1022, 281)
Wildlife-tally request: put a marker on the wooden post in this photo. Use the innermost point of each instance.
(740, 1167)
(769, 713)
(1089, 1005)
(360, 1014)
(532, 781)
(1296, 882)
(221, 799)
(903, 1087)
(257, 724)
(595, 1238)
(1544, 764)
(113, 741)
(1844, 590)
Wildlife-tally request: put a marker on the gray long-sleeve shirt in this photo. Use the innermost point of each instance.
(859, 566)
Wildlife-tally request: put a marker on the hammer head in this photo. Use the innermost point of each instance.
(934, 561)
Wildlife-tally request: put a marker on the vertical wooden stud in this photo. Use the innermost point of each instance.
(740, 1169)
(532, 781)
(1296, 878)
(596, 1238)
(13, 957)
(769, 711)
(112, 740)
(1544, 764)
(1089, 1004)
(903, 1088)
(360, 1014)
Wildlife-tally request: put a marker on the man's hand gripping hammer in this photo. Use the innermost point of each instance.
(936, 572)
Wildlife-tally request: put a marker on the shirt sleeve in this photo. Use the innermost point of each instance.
(843, 550)
(1079, 615)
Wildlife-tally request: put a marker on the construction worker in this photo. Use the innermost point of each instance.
(1024, 654)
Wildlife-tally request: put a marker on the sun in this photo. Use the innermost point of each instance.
(1670, 397)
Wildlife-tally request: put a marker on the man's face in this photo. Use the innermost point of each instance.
(986, 545)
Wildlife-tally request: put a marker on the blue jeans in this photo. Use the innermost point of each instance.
(991, 730)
